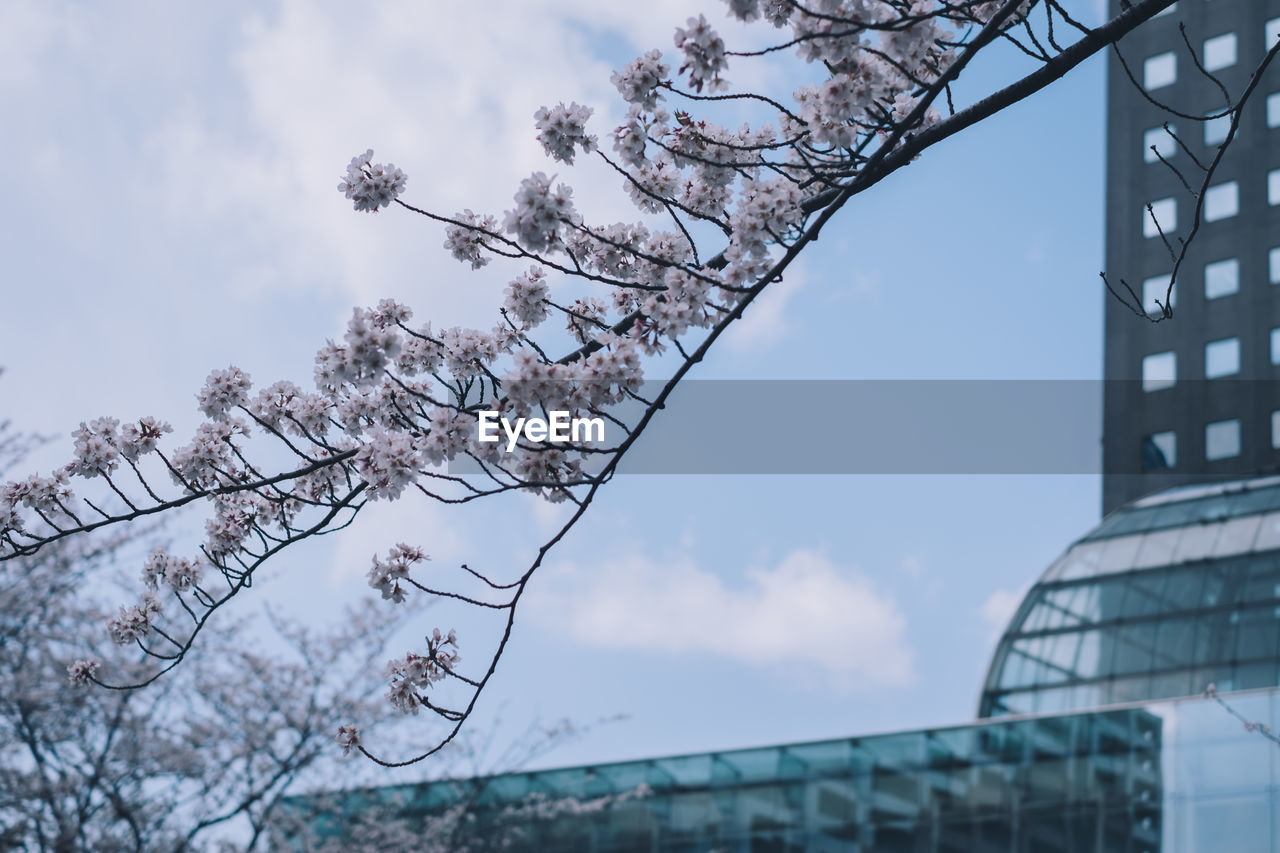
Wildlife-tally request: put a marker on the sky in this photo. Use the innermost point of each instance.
(173, 210)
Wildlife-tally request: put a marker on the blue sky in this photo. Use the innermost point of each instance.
(172, 210)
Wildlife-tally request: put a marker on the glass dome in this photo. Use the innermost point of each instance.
(1167, 595)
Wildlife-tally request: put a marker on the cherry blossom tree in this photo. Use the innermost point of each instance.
(205, 756)
(398, 402)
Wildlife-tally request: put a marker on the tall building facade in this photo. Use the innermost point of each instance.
(1193, 398)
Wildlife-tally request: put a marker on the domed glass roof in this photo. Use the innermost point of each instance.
(1168, 594)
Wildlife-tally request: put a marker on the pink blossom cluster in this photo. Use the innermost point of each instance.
(177, 573)
(411, 676)
(133, 623)
(371, 186)
(387, 575)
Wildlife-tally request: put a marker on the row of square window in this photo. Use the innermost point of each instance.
(1219, 52)
(1221, 278)
(1220, 202)
(1158, 140)
(1221, 358)
(1221, 441)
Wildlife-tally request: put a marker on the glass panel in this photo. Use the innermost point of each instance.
(1159, 370)
(1050, 701)
(1159, 451)
(1263, 583)
(1221, 358)
(1268, 532)
(1158, 548)
(1222, 440)
(1216, 129)
(1220, 202)
(1061, 651)
(1011, 674)
(1175, 513)
(1145, 595)
(1237, 536)
(1054, 572)
(1219, 588)
(1220, 52)
(1196, 542)
(1159, 71)
(1135, 648)
(1184, 590)
(1130, 521)
(1082, 561)
(1250, 676)
(1155, 292)
(1120, 553)
(1175, 643)
(1070, 606)
(1089, 656)
(1163, 216)
(1038, 618)
(1257, 635)
(1213, 508)
(1131, 689)
(1253, 501)
(1162, 142)
(1177, 683)
(1221, 278)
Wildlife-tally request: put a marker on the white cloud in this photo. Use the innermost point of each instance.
(805, 611)
(435, 94)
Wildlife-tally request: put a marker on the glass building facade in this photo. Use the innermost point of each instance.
(1176, 776)
(1169, 594)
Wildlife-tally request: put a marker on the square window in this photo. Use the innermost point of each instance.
(1273, 110)
(1159, 451)
(1161, 140)
(1216, 129)
(1154, 291)
(1271, 32)
(1164, 211)
(1160, 70)
(1275, 346)
(1273, 186)
(1275, 429)
(1221, 358)
(1222, 439)
(1221, 202)
(1221, 278)
(1273, 265)
(1220, 52)
(1159, 370)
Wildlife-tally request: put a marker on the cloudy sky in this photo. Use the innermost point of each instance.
(172, 210)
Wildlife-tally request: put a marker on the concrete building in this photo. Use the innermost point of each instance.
(1193, 398)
